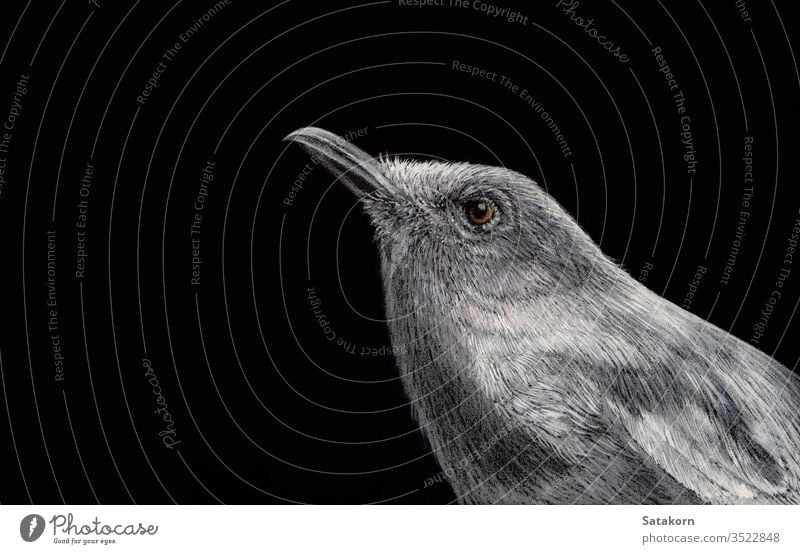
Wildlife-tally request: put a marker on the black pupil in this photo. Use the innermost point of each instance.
(479, 211)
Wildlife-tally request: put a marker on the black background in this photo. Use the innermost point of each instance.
(266, 407)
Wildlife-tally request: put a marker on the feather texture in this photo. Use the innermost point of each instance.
(541, 372)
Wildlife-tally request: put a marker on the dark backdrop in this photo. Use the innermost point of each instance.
(271, 367)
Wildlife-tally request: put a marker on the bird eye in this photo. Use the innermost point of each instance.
(479, 211)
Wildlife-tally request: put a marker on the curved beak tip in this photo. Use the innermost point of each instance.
(355, 168)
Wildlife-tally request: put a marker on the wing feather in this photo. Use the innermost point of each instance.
(731, 439)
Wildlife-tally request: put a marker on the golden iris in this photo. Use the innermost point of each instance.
(479, 212)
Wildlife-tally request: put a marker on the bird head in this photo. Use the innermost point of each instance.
(475, 261)
(459, 229)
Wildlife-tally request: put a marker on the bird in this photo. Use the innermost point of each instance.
(539, 370)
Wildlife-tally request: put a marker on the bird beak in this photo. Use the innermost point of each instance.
(362, 173)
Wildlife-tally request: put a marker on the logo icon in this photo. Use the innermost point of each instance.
(31, 527)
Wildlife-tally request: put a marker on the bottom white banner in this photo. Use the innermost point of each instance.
(354, 529)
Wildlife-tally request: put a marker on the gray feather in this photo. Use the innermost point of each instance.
(541, 372)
